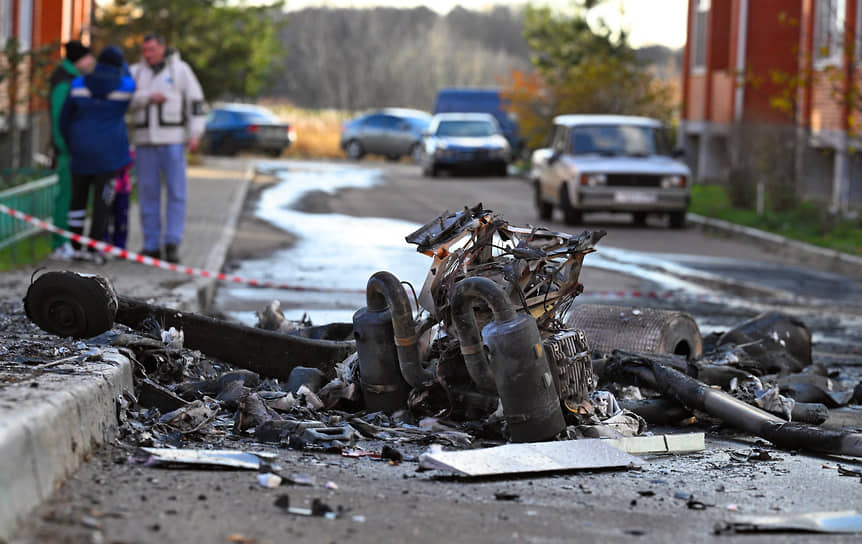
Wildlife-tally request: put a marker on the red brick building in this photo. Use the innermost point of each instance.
(790, 65)
(36, 23)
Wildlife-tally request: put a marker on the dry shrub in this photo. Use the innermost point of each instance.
(317, 131)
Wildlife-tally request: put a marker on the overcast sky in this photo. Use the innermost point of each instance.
(648, 21)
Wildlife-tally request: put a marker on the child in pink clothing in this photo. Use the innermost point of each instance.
(117, 229)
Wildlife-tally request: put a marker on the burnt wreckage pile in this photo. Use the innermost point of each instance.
(490, 347)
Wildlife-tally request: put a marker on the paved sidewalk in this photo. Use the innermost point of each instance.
(216, 191)
(50, 423)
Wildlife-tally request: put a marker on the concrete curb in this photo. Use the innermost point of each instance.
(835, 260)
(50, 424)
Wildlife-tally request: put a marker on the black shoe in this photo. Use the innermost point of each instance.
(171, 253)
(154, 253)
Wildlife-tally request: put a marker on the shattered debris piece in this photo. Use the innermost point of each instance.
(667, 443)
(530, 458)
(318, 508)
(167, 457)
(269, 480)
(849, 521)
(192, 417)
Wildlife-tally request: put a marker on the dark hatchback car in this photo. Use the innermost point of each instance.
(391, 132)
(245, 127)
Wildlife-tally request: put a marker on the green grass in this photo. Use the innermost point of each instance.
(25, 253)
(808, 222)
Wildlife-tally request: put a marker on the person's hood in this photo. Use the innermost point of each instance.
(103, 79)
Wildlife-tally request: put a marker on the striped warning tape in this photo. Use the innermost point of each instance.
(110, 249)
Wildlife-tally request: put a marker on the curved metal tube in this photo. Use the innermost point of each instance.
(384, 290)
(468, 329)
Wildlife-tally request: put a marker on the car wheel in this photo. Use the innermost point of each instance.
(226, 146)
(545, 208)
(639, 218)
(432, 171)
(393, 158)
(275, 153)
(571, 216)
(416, 153)
(354, 150)
(503, 170)
(677, 220)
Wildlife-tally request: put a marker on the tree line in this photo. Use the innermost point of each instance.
(361, 58)
(353, 59)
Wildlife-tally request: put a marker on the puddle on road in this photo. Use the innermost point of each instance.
(342, 252)
(332, 250)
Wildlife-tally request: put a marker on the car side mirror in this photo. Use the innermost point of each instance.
(555, 156)
(678, 153)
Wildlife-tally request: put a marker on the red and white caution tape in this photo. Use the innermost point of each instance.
(105, 247)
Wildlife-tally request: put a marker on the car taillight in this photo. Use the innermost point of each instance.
(252, 128)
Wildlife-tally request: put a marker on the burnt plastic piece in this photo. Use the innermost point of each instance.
(70, 304)
(780, 342)
(521, 372)
(696, 395)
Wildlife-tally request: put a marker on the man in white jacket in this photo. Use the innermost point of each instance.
(167, 113)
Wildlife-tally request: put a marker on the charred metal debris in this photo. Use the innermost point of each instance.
(491, 349)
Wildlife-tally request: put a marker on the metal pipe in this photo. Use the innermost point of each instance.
(522, 376)
(695, 394)
(465, 323)
(384, 291)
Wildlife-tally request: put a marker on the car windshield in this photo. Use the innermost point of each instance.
(260, 117)
(632, 140)
(466, 128)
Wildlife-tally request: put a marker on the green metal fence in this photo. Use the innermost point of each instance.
(35, 198)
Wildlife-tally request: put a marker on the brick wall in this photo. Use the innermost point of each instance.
(826, 102)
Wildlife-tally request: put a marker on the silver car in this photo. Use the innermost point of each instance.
(610, 163)
(391, 132)
(465, 141)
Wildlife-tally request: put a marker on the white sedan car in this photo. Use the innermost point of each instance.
(465, 141)
(610, 163)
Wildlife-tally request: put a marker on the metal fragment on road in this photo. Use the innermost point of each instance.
(530, 458)
(212, 458)
(847, 521)
(666, 443)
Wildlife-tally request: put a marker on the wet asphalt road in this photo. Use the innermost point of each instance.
(720, 281)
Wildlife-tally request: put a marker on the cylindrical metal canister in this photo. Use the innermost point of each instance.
(520, 369)
(383, 387)
(646, 330)
(524, 380)
(66, 303)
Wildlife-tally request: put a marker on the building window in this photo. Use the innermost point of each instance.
(5, 21)
(25, 24)
(699, 32)
(829, 31)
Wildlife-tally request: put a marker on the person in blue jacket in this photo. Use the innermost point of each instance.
(93, 124)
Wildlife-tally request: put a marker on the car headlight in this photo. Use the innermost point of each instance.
(672, 181)
(594, 180)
